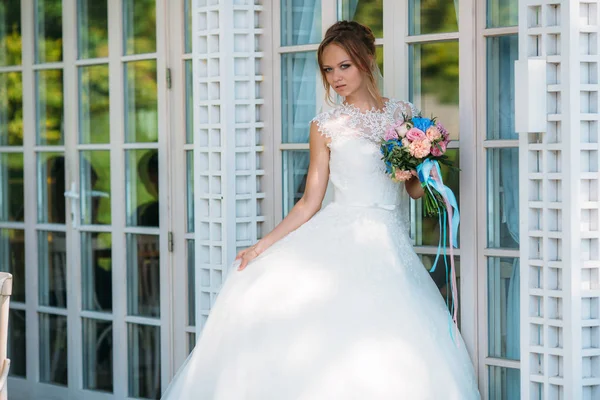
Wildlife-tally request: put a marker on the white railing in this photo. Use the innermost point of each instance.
(5, 292)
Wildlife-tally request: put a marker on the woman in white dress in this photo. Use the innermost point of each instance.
(334, 303)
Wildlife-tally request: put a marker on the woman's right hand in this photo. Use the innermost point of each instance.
(246, 256)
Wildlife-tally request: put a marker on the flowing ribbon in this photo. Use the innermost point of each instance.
(430, 175)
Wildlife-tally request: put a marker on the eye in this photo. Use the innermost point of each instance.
(345, 66)
(327, 70)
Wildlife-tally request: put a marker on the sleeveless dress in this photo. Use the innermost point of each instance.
(341, 308)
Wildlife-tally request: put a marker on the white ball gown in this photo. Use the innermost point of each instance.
(341, 308)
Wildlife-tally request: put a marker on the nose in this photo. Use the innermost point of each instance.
(337, 76)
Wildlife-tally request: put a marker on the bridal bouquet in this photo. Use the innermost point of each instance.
(416, 147)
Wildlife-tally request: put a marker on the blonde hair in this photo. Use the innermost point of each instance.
(359, 42)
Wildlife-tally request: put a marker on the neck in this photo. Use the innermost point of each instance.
(364, 101)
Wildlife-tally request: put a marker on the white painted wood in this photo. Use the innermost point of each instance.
(5, 293)
(530, 112)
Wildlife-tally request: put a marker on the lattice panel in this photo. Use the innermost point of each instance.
(560, 345)
(228, 131)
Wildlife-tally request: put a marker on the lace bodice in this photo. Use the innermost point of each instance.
(357, 172)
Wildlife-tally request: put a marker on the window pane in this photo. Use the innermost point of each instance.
(295, 168)
(505, 383)
(17, 342)
(48, 31)
(53, 349)
(300, 22)
(502, 52)
(188, 12)
(52, 269)
(502, 13)
(439, 276)
(94, 118)
(10, 33)
(191, 252)
(143, 275)
(97, 355)
(141, 102)
(141, 185)
(51, 188)
(189, 102)
(190, 190)
(503, 198)
(49, 107)
(139, 26)
(434, 82)
(432, 16)
(11, 109)
(144, 361)
(12, 260)
(425, 231)
(503, 307)
(96, 274)
(299, 82)
(367, 12)
(92, 32)
(12, 195)
(191, 342)
(95, 187)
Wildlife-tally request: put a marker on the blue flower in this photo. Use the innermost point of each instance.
(422, 123)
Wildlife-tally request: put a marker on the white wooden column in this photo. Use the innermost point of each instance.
(557, 119)
(229, 135)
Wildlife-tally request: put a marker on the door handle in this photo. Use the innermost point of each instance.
(73, 196)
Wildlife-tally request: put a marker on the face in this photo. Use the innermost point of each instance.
(341, 72)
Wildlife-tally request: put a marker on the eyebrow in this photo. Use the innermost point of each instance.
(345, 61)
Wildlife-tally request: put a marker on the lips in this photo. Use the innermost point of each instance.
(340, 86)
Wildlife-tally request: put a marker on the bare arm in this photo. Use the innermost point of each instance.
(307, 206)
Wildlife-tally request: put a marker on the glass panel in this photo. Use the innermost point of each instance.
(367, 12)
(295, 168)
(141, 102)
(10, 33)
(94, 118)
(95, 187)
(503, 308)
(97, 355)
(49, 107)
(12, 195)
(190, 190)
(141, 180)
(191, 251)
(187, 13)
(92, 28)
(439, 277)
(144, 361)
(53, 349)
(96, 265)
(502, 52)
(425, 231)
(139, 26)
(11, 108)
(191, 342)
(189, 102)
(17, 350)
(434, 82)
(12, 260)
(51, 188)
(299, 82)
(48, 31)
(300, 22)
(432, 16)
(503, 198)
(52, 267)
(502, 13)
(505, 383)
(143, 275)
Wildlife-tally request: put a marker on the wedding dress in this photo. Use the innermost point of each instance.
(341, 308)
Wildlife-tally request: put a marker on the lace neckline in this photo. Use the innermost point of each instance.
(354, 109)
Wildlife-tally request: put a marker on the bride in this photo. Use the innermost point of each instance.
(334, 303)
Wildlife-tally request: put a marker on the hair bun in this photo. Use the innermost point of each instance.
(362, 32)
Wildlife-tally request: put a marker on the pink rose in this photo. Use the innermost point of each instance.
(402, 129)
(415, 134)
(420, 148)
(390, 134)
(433, 133)
(438, 149)
(402, 176)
